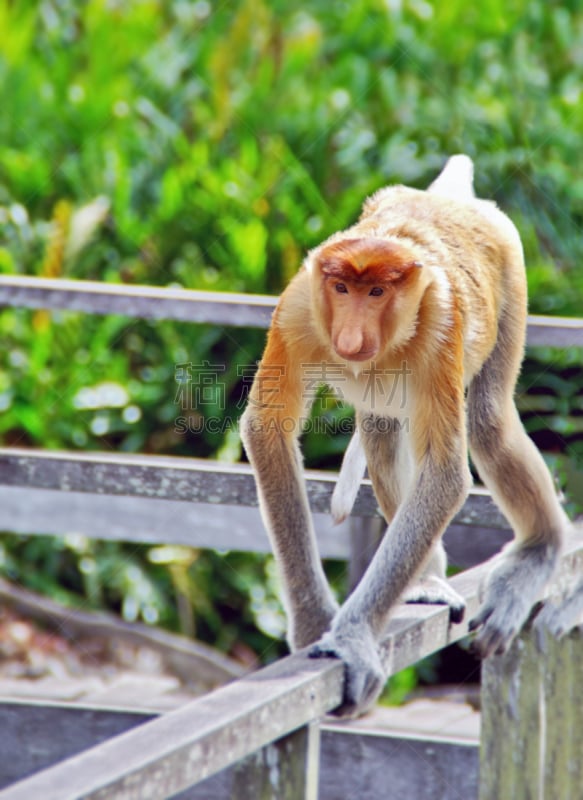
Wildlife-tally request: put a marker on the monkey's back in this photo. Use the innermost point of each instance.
(470, 246)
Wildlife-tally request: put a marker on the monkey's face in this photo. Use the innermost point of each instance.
(364, 284)
(355, 317)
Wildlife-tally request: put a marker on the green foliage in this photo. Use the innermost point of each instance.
(399, 687)
(179, 143)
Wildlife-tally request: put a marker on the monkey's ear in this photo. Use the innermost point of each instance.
(407, 268)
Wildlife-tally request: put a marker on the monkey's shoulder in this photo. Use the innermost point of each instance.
(417, 214)
(295, 319)
(389, 196)
(294, 305)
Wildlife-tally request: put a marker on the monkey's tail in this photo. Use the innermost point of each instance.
(456, 179)
(351, 475)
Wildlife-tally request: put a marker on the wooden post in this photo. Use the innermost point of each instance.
(563, 694)
(284, 770)
(532, 720)
(510, 746)
(365, 536)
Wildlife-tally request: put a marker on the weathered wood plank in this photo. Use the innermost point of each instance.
(151, 521)
(188, 480)
(554, 331)
(512, 723)
(287, 769)
(370, 767)
(365, 536)
(186, 746)
(469, 547)
(219, 308)
(29, 743)
(157, 477)
(532, 712)
(354, 762)
(562, 688)
(532, 719)
(146, 302)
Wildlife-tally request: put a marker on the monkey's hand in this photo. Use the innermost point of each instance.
(364, 674)
(513, 587)
(432, 589)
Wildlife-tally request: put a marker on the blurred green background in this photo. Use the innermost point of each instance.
(209, 145)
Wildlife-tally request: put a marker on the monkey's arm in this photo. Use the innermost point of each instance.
(438, 492)
(269, 429)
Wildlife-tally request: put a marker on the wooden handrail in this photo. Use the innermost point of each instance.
(219, 308)
(175, 751)
(172, 752)
(189, 480)
(145, 302)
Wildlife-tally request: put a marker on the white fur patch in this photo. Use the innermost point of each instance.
(456, 180)
(309, 264)
(349, 480)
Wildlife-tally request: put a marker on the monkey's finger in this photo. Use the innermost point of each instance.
(484, 646)
(481, 617)
(487, 641)
(551, 622)
(494, 639)
(457, 613)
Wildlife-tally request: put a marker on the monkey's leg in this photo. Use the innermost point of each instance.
(386, 448)
(513, 469)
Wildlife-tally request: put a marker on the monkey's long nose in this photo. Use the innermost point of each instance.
(349, 343)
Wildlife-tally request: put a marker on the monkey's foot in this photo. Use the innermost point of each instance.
(432, 589)
(364, 675)
(513, 588)
(558, 619)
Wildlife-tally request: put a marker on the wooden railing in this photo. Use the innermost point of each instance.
(260, 736)
(218, 308)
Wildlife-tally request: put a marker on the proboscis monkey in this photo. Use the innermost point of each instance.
(417, 314)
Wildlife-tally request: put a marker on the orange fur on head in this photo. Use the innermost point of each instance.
(367, 260)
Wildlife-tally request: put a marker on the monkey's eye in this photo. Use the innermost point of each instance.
(341, 288)
(376, 291)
